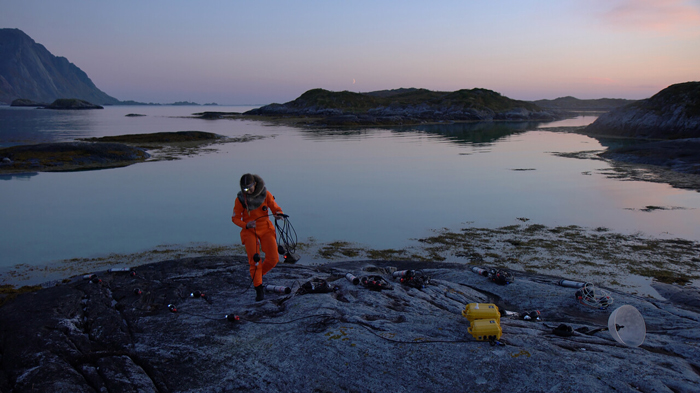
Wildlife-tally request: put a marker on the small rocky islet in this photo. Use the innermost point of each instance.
(60, 104)
(98, 153)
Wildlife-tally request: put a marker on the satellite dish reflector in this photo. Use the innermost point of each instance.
(627, 327)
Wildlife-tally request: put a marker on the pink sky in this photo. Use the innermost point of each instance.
(272, 51)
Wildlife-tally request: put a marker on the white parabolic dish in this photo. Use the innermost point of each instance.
(632, 328)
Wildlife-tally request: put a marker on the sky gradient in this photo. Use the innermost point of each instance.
(259, 52)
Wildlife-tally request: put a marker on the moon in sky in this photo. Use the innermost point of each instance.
(353, 81)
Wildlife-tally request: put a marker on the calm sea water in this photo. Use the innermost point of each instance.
(376, 187)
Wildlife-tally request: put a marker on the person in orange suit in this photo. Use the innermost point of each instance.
(250, 212)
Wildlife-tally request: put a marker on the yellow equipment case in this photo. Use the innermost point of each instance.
(474, 311)
(485, 329)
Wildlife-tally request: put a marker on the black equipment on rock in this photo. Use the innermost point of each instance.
(375, 283)
(412, 278)
(316, 285)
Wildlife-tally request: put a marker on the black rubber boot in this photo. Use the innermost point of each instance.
(259, 293)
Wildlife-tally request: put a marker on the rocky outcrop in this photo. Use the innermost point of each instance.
(159, 137)
(672, 113)
(28, 70)
(404, 106)
(110, 151)
(192, 325)
(68, 156)
(72, 103)
(672, 116)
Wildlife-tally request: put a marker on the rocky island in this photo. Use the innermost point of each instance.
(668, 123)
(319, 107)
(672, 113)
(67, 156)
(108, 152)
(72, 103)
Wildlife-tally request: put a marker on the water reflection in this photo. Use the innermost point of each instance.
(18, 176)
(473, 133)
(42, 125)
(319, 134)
(460, 133)
(614, 143)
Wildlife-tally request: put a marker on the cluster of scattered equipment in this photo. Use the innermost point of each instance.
(588, 295)
(316, 285)
(625, 324)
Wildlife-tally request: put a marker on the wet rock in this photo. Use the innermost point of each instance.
(84, 336)
(158, 137)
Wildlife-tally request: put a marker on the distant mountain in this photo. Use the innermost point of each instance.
(672, 113)
(572, 103)
(29, 71)
(405, 106)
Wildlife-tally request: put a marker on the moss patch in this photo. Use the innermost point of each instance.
(8, 292)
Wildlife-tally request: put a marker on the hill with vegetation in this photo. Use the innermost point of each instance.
(669, 121)
(575, 104)
(402, 106)
(672, 113)
(29, 71)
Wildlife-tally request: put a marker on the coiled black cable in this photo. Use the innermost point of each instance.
(286, 235)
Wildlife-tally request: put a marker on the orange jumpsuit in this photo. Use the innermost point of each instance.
(264, 233)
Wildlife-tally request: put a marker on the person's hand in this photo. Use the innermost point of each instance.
(250, 225)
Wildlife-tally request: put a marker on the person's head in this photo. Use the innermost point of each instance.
(248, 183)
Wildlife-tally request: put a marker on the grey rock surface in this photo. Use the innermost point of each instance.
(85, 336)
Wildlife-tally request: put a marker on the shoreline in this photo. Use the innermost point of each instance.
(504, 252)
(629, 263)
